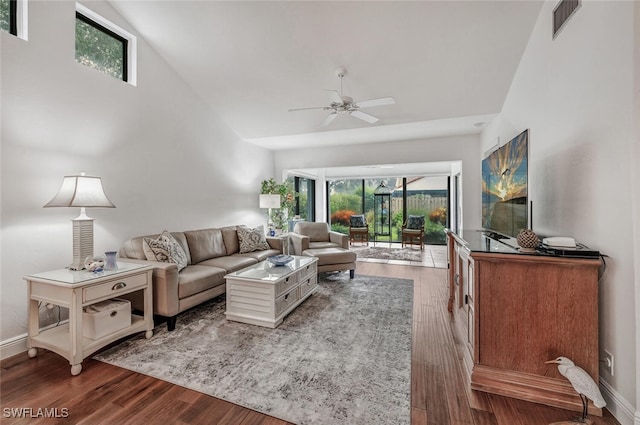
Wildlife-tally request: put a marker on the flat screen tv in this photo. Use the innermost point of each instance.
(504, 187)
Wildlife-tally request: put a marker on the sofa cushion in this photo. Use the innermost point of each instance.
(415, 222)
(165, 249)
(316, 231)
(259, 255)
(327, 256)
(196, 278)
(230, 264)
(133, 248)
(321, 245)
(205, 244)
(357, 221)
(230, 239)
(252, 239)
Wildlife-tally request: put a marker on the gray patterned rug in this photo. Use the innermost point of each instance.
(406, 254)
(342, 357)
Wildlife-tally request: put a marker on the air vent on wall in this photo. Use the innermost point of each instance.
(561, 14)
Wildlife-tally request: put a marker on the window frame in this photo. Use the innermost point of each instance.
(18, 18)
(129, 51)
(13, 17)
(310, 190)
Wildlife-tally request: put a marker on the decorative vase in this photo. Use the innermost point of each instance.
(528, 240)
(111, 263)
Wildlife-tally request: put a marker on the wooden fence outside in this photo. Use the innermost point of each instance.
(419, 203)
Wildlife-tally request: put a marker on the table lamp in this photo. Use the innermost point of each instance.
(84, 192)
(270, 201)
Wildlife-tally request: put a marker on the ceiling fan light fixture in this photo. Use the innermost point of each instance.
(341, 104)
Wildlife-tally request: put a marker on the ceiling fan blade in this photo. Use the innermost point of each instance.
(335, 97)
(329, 118)
(364, 117)
(376, 102)
(313, 107)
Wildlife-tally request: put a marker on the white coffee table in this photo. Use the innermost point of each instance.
(263, 294)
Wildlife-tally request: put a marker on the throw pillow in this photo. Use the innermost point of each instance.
(252, 239)
(357, 221)
(415, 222)
(165, 249)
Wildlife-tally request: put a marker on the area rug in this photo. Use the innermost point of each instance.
(405, 254)
(342, 357)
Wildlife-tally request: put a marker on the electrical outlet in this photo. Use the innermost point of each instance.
(608, 362)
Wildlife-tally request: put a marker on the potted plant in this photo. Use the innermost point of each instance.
(279, 216)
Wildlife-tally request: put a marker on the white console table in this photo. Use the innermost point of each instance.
(75, 290)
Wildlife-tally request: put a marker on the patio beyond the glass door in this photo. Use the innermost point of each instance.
(422, 195)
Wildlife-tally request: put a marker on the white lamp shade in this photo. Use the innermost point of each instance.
(269, 201)
(81, 191)
(84, 192)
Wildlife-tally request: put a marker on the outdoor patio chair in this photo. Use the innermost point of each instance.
(358, 229)
(413, 231)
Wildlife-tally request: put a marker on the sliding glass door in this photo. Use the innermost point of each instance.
(429, 197)
(305, 204)
(345, 199)
(426, 196)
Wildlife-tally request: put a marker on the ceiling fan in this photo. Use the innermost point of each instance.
(341, 104)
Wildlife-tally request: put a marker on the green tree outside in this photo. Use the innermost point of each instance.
(5, 21)
(99, 50)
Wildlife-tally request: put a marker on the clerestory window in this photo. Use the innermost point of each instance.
(104, 46)
(9, 16)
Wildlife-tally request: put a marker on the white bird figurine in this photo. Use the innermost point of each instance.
(582, 382)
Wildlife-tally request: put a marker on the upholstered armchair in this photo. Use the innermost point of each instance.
(413, 231)
(329, 247)
(313, 235)
(358, 229)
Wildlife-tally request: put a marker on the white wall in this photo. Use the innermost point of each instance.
(165, 158)
(575, 93)
(461, 148)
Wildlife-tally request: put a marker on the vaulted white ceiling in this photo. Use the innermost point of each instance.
(448, 64)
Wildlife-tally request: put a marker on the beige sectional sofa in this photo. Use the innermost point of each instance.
(210, 255)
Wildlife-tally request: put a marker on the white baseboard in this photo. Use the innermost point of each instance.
(13, 346)
(18, 344)
(619, 407)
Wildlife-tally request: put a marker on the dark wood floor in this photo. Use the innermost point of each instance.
(105, 394)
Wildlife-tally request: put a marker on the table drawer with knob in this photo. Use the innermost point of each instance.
(287, 300)
(285, 285)
(114, 288)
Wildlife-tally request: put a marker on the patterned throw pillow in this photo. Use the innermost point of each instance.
(252, 239)
(415, 222)
(357, 221)
(165, 249)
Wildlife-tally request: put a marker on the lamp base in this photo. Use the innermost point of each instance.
(82, 242)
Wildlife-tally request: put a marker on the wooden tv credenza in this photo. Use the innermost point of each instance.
(514, 311)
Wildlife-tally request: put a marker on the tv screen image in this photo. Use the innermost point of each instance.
(505, 187)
